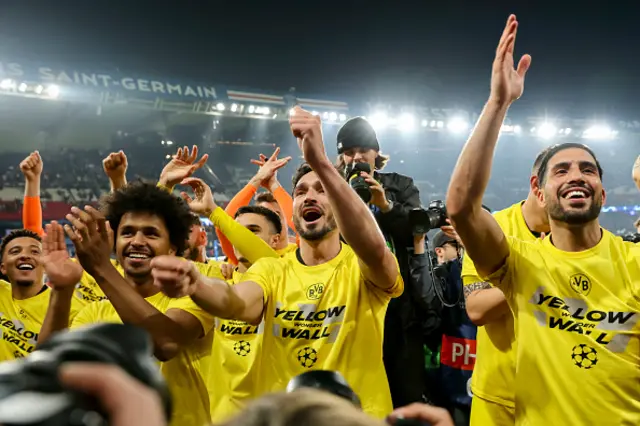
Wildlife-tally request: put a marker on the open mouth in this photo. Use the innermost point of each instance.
(25, 267)
(311, 214)
(136, 257)
(578, 194)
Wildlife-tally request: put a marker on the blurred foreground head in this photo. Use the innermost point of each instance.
(307, 407)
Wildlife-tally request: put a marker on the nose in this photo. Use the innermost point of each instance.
(138, 239)
(575, 174)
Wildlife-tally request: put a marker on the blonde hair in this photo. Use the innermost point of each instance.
(379, 164)
(308, 407)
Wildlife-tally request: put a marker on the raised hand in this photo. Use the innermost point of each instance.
(176, 277)
(181, 166)
(307, 128)
(115, 165)
(203, 202)
(267, 173)
(63, 273)
(507, 83)
(31, 167)
(90, 236)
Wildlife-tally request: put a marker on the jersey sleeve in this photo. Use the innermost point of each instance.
(265, 273)
(469, 274)
(186, 304)
(395, 291)
(87, 315)
(503, 277)
(241, 199)
(210, 269)
(32, 215)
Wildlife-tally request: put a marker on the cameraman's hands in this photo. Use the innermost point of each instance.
(378, 196)
(435, 416)
(450, 232)
(126, 401)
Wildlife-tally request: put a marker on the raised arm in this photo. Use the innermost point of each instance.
(482, 237)
(355, 221)
(115, 167)
(31, 168)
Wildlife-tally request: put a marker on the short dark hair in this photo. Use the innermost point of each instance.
(17, 233)
(553, 150)
(270, 215)
(636, 223)
(265, 197)
(541, 155)
(146, 197)
(195, 220)
(302, 170)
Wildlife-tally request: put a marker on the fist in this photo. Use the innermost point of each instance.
(227, 270)
(31, 167)
(174, 276)
(115, 165)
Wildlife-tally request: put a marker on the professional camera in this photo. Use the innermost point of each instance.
(632, 237)
(433, 217)
(357, 182)
(31, 394)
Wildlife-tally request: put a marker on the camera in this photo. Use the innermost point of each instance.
(631, 237)
(31, 394)
(325, 380)
(423, 220)
(357, 182)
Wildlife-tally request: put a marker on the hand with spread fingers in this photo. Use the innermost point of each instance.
(307, 128)
(63, 273)
(115, 166)
(267, 174)
(181, 166)
(378, 196)
(31, 167)
(202, 203)
(174, 276)
(90, 236)
(507, 83)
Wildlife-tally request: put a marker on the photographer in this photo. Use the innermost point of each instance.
(390, 196)
(458, 346)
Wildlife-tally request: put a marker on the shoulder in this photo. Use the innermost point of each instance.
(396, 179)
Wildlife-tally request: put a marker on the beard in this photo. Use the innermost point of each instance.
(192, 254)
(575, 217)
(23, 283)
(317, 233)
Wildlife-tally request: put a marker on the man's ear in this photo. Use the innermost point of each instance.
(172, 251)
(3, 268)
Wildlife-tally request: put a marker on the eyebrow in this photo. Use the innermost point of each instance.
(581, 164)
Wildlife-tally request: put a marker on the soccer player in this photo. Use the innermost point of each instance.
(237, 343)
(24, 302)
(147, 222)
(197, 242)
(576, 294)
(284, 211)
(324, 304)
(493, 375)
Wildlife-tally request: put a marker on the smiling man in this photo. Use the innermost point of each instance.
(575, 295)
(324, 304)
(23, 303)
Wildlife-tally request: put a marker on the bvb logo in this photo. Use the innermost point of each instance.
(584, 356)
(314, 291)
(242, 348)
(307, 357)
(580, 284)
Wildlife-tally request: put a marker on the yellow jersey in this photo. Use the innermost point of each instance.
(183, 373)
(494, 372)
(578, 326)
(232, 372)
(21, 321)
(288, 249)
(323, 317)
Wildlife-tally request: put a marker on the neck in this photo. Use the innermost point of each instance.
(242, 268)
(19, 292)
(202, 255)
(283, 242)
(143, 285)
(534, 217)
(321, 251)
(574, 238)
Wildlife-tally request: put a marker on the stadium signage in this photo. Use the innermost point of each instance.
(105, 81)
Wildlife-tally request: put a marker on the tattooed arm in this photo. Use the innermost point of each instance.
(635, 173)
(485, 304)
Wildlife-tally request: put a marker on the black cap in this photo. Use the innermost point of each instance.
(441, 239)
(357, 133)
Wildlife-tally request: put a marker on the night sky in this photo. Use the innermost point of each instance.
(585, 54)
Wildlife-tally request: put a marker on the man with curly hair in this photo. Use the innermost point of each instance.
(147, 222)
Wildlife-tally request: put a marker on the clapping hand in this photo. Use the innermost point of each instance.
(63, 273)
(307, 128)
(269, 166)
(203, 202)
(181, 166)
(176, 277)
(90, 236)
(507, 83)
